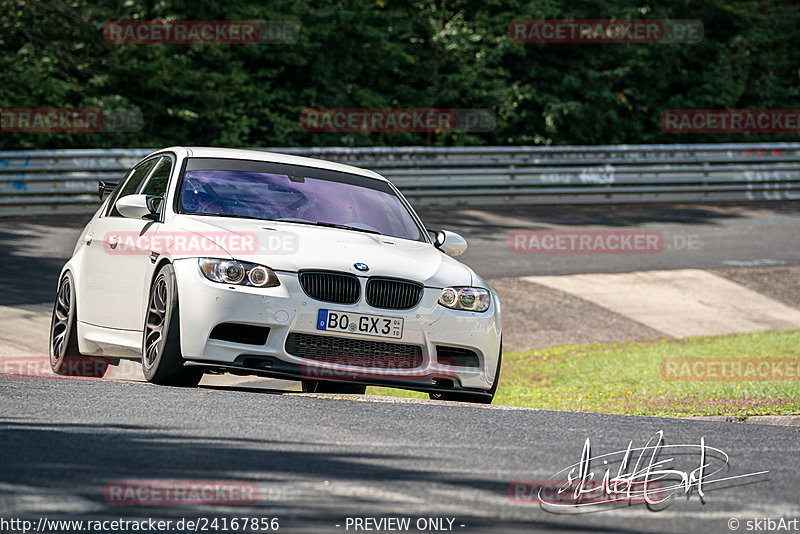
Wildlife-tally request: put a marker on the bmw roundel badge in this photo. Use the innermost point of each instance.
(361, 266)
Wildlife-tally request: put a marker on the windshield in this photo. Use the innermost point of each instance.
(303, 195)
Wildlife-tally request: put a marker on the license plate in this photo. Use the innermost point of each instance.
(358, 323)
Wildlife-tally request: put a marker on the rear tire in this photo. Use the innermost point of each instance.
(65, 358)
(322, 386)
(162, 361)
(474, 398)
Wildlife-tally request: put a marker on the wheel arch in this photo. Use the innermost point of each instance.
(156, 269)
(159, 264)
(70, 268)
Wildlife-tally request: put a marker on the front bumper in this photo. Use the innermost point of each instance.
(287, 309)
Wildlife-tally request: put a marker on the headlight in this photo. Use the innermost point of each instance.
(237, 273)
(465, 298)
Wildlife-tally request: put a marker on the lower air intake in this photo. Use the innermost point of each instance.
(355, 352)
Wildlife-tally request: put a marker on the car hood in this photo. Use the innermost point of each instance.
(295, 247)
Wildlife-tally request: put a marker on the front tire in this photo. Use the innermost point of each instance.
(162, 361)
(65, 358)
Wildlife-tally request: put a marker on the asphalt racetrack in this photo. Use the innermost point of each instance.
(326, 463)
(318, 461)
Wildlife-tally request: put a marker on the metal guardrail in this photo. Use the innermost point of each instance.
(65, 181)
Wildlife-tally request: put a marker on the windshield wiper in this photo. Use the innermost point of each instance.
(327, 225)
(345, 227)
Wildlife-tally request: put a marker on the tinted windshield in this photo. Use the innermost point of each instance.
(295, 194)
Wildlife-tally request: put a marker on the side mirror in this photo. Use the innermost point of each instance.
(450, 243)
(139, 206)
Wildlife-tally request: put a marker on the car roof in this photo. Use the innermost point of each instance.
(273, 157)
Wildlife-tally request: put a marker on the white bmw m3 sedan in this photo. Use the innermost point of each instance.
(206, 260)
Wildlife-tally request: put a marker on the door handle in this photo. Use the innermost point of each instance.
(113, 241)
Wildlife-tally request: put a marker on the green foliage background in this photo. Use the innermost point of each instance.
(385, 53)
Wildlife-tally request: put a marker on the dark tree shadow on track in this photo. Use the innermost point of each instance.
(33, 257)
(80, 459)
